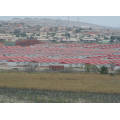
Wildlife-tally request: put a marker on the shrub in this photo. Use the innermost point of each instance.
(104, 70)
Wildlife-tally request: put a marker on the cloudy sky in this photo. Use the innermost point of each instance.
(112, 21)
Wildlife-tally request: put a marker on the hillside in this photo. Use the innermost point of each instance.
(54, 22)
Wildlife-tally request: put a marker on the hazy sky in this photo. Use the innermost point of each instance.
(112, 21)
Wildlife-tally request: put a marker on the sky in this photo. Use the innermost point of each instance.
(110, 21)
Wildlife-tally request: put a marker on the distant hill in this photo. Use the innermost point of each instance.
(54, 22)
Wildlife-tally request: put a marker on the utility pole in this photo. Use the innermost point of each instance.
(68, 21)
(77, 20)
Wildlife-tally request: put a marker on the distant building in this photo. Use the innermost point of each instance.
(27, 42)
(55, 68)
(88, 40)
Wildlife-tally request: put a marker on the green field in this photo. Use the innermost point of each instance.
(74, 82)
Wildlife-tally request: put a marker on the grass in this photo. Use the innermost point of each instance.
(15, 95)
(75, 82)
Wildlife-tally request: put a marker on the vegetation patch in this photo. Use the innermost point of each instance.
(75, 82)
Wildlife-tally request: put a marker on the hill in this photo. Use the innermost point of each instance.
(54, 22)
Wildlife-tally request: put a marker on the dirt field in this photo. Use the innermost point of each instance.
(76, 82)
